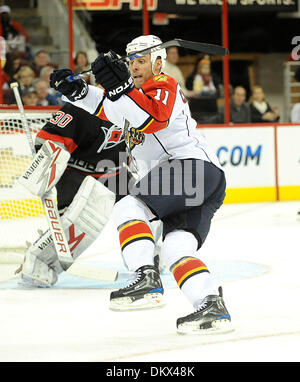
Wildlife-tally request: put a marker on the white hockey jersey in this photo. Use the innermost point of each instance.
(157, 120)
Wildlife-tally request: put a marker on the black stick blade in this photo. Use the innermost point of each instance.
(212, 49)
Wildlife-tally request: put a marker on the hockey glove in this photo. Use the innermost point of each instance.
(112, 75)
(73, 90)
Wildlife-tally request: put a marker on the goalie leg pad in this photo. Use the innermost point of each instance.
(36, 273)
(83, 222)
(87, 215)
(45, 169)
(41, 266)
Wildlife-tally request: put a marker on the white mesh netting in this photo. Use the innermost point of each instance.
(21, 214)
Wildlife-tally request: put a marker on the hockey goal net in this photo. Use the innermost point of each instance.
(21, 214)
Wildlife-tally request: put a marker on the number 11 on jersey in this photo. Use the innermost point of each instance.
(162, 95)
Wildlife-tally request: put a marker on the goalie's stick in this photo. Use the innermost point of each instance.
(212, 49)
(54, 221)
(48, 200)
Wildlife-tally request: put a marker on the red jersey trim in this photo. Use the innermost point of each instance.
(157, 100)
(101, 114)
(152, 126)
(69, 144)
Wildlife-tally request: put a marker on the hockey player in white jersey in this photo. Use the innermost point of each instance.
(182, 182)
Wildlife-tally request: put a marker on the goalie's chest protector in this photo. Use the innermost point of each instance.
(85, 136)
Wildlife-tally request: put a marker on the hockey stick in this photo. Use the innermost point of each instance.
(8, 272)
(48, 200)
(11, 258)
(212, 49)
(100, 274)
(54, 222)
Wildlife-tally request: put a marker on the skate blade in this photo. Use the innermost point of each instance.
(149, 301)
(221, 326)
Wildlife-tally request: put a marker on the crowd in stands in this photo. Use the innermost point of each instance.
(256, 110)
(202, 87)
(14, 33)
(32, 77)
(30, 71)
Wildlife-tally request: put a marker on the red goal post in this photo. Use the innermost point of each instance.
(21, 214)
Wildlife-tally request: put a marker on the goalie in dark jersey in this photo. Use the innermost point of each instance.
(96, 146)
(89, 157)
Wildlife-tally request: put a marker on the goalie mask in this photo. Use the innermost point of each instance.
(144, 42)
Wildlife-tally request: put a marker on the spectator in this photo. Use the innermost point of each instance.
(45, 75)
(261, 111)
(81, 62)
(295, 113)
(239, 109)
(44, 99)
(14, 62)
(25, 77)
(16, 37)
(173, 70)
(41, 59)
(202, 81)
(29, 97)
(203, 104)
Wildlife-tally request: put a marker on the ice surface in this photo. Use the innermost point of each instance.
(252, 251)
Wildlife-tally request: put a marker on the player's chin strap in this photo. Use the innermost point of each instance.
(82, 222)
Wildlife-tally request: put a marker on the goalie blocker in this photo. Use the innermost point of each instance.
(45, 169)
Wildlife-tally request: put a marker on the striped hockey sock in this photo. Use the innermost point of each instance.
(193, 278)
(187, 268)
(137, 244)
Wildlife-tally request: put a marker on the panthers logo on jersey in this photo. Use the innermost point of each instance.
(133, 136)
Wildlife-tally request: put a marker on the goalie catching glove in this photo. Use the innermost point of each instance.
(45, 170)
(112, 75)
(74, 90)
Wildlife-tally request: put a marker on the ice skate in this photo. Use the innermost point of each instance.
(211, 317)
(145, 292)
